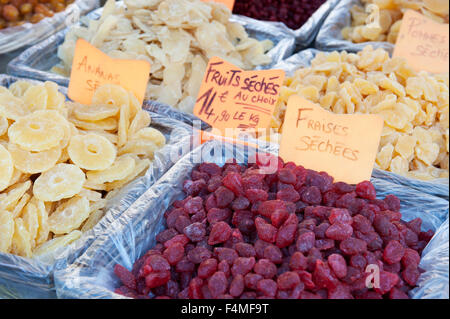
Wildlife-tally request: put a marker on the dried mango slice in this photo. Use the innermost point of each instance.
(62, 181)
(69, 216)
(92, 152)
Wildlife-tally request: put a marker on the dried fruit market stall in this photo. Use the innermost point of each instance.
(196, 149)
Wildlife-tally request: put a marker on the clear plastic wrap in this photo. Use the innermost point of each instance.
(130, 236)
(37, 61)
(438, 187)
(30, 34)
(33, 278)
(304, 36)
(330, 36)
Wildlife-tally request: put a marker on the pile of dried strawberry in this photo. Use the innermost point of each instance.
(292, 234)
(294, 13)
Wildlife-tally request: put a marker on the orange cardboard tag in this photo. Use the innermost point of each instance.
(424, 43)
(92, 68)
(231, 98)
(228, 3)
(343, 145)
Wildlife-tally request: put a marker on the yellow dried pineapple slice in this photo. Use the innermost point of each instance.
(93, 220)
(6, 230)
(122, 167)
(55, 99)
(124, 124)
(92, 152)
(31, 222)
(62, 181)
(109, 124)
(6, 167)
(4, 124)
(34, 162)
(21, 242)
(111, 94)
(36, 132)
(139, 147)
(56, 243)
(17, 212)
(151, 134)
(11, 107)
(94, 112)
(19, 88)
(141, 166)
(69, 216)
(13, 195)
(141, 120)
(44, 227)
(35, 98)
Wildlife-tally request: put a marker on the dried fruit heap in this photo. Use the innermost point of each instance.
(414, 105)
(177, 37)
(60, 162)
(292, 234)
(17, 12)
(294, 13)
(389, 14)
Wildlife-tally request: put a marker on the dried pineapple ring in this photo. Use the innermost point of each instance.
(56, 243)
(32, 162)
(6, 168)
(11, 107)
(36, 132)
(69, 216)
(124, 124)
(55, 99)
(62, 181)
(111, 94)
(135, 106)
(94, 112)
(17, 212)
(19, 88)
(92, 152)
(6, 230)
(3, 125)
(15, 193)
(151, 134)
(35, 98)
(93, 220)
(141, 166)
(122, 167)
(139, 147)
(109, 124)
(21, 242)
(31, 222)
(44, 228)
(92, 196)
(69, 128)
(141, 120)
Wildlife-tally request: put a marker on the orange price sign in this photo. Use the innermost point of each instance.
(228, 3)
(91, 68)
(343, 145)
(231, 98)
(424, 43)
